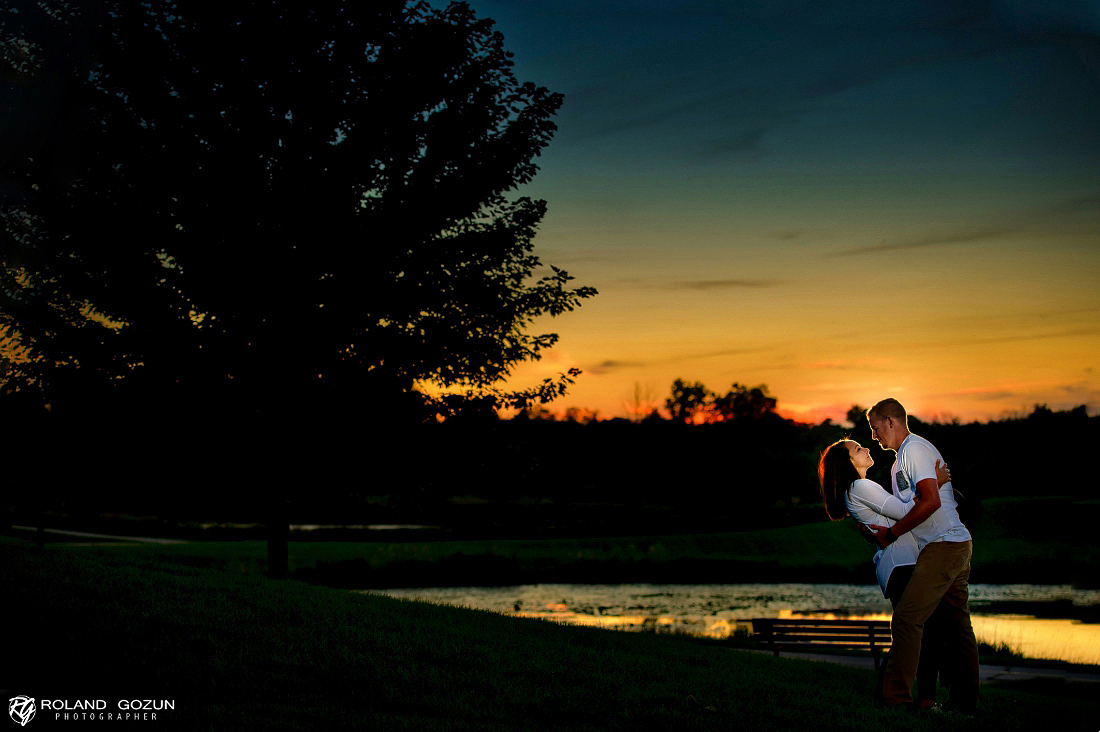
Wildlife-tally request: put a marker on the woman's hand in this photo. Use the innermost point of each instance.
(867, 534)
(879, 532)
(943, 475)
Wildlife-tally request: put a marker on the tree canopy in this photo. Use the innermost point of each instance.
(270, 205)
(691, 403)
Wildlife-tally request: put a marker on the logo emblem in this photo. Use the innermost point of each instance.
(21, 709)
(903, 482)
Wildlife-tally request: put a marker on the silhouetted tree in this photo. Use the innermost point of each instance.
(687, 400)
(318, 217)
(1041, 412)
(277, 209)
(642, 403)
(741, 402)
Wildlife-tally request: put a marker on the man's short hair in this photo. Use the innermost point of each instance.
(889, 408)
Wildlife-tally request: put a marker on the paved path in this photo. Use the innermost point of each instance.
(85, 534)
(988, 673)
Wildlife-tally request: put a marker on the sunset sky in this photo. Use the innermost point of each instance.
(845, 201)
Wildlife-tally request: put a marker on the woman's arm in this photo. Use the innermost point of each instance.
(870, 494)
(878, 499)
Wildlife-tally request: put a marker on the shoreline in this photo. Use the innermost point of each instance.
(238, 650)
(492, 570)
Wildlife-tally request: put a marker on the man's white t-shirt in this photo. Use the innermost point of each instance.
(869, 503)
(916, 461)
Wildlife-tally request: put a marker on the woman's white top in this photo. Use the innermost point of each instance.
(869, 503)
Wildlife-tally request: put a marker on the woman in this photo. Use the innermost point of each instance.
(846, 491)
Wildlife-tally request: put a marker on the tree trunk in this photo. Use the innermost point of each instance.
(278, 536)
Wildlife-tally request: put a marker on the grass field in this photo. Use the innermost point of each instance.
(202, 626)
(1010, 546)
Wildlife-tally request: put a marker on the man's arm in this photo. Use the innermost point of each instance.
(926, 503)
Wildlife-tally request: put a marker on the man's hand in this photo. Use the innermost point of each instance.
(879, 532)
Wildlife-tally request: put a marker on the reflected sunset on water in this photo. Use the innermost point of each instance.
(722, 611)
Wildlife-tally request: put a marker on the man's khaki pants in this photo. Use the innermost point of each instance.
(942, 572)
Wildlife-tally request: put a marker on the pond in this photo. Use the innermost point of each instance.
(1039, 621)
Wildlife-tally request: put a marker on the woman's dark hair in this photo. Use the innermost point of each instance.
(836, 474)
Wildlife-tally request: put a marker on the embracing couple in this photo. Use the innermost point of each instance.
(924, 565)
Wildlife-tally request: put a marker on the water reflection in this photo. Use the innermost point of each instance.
(1061, 638)
(718, 611)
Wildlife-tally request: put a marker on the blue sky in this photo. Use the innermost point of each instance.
(843, 201)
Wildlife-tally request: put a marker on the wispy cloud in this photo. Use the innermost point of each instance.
(1056, 396)
(720, 354)
(1027, 314)
(724, 77)
(1046, 220)
(1015, 337)
(648, 283)
(725, 284)
(858, 364)
(987, 393)
(611, 365)
(953, 237)
(996, 395)
(1075, 205)
(1082, 390)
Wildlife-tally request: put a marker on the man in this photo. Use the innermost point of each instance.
(942, 571)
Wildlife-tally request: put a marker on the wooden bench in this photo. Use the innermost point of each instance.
(812, 634)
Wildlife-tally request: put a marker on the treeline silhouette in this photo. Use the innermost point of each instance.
(478, 473)
(739, 473)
